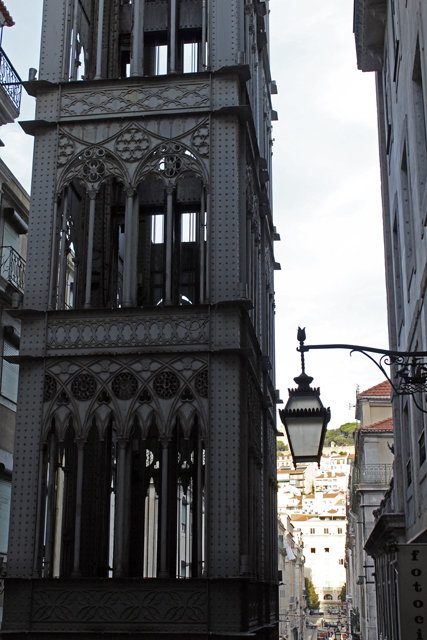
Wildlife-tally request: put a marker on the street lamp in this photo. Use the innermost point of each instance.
(304, 417)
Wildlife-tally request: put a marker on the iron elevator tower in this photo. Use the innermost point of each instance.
(144, 488)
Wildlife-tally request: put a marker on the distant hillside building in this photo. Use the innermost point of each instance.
(323, 536)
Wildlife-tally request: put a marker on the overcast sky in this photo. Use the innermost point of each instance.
(327, 202)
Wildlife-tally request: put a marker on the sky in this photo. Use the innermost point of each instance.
(326, 182)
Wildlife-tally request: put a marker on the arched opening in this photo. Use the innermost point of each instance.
(191, 503)
(172, 241)
(89, 249)
(79, 517)
(144, 502)
(116, 506)
(60, 473)
(97, 518)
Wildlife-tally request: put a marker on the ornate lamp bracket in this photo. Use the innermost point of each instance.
(409, 368)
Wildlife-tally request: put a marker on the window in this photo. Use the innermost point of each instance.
(158, 229)
(5, 492)
(10, 373)
(312, 550)
(183, 518)
(422, 448)
(161, 60)
(341, 561)
(408, 235)
(395, 39)
(312, 531)
(397, 274)
(408, 473)
(420, 118)
(190, 57)
(339, 530)
(326, 531)
(326, 549)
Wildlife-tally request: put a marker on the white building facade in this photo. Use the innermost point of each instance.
(323, 539)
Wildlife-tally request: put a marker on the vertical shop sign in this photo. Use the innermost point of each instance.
(412, 584)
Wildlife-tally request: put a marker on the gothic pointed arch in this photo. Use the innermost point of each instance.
(62, 408)
(92, 167)
(170, 160)
(101, 415)
(145, 417)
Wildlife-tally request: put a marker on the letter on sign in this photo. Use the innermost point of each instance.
(412, 589)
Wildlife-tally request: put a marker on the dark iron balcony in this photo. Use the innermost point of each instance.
(13, 267)
(11, 85)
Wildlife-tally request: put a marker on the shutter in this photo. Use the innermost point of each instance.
(10, 236)
(10, 373)
(5, 493)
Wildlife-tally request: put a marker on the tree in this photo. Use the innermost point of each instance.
(341, 436)
(342, 596)
(281, 447)
(311, 596)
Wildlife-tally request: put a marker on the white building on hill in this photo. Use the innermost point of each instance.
(323, 538)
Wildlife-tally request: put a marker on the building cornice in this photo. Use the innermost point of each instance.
(369, 30)
(389, 529)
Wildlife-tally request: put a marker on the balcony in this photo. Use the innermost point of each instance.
(376, 474)
(10, 90)
(12, 268)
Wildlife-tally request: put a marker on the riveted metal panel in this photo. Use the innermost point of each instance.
(224, 467)
(25, 474)
(47, 107)
(33, 336)
(225, 224)
(225, 31)
(52, 46)
(225, 92)
(190, 14)
(156, 16)
(40, 223)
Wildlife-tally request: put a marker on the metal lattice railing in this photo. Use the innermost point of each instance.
(374, 474)
(10, 80)
(13, 267)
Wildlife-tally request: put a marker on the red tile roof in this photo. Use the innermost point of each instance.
(6, 15)
(383, 389)
(384, 425)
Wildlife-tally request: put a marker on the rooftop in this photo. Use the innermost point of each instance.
(382, 390)
(382, 426)
(6, 19)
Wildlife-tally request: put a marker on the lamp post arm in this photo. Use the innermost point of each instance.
(356, 347)
(411, 376)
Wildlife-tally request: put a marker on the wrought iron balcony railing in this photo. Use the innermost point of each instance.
(13, 267)
(374, 474)
(10, 80)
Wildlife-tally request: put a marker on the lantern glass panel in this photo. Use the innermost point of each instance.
(305, 435)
